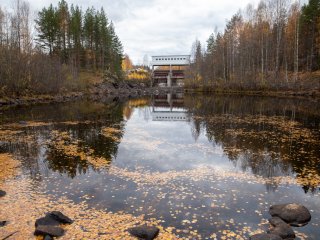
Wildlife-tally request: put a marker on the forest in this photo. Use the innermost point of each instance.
(47, 55)
(274, 46)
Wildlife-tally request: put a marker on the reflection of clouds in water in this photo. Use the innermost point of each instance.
(204, 148)
(142, 176)
(139, 131)
(166, 146)
(143, 144)
(143, 139)
(139, 138)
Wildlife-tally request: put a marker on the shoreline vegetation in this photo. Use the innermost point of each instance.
(268, 50)
(65, 50)
(272, 46)
(126, 90)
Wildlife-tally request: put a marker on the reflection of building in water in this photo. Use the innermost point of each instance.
(169, 107)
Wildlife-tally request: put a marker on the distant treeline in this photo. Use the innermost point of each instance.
(49, 57)
(273, 46)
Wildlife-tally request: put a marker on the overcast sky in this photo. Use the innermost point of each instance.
(156, 27)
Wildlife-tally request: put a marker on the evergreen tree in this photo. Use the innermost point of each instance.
(80, 38)
(75, 27)
(116, 52)
(64, 24)
(47, 26)
(105, 38)
(88, 33)
(310, 33)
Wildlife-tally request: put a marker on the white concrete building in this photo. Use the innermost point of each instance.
(170, 76)
(170, 60)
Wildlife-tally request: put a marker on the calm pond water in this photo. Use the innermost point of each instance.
(207, 166)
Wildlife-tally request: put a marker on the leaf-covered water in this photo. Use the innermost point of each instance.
(201, 167)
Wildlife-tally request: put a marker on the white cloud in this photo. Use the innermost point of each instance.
(168, 26)
(159, 26)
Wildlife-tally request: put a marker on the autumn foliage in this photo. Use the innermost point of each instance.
(272, 46)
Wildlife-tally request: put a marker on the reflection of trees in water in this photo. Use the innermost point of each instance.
(195, 129)
(267, 147)
(89, 119)
(264, 164)
(132, 104)
(89, 140)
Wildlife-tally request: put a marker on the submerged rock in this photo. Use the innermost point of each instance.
(46, 221)
(294, 214)
(52, 231)
(265, 236)
(281, 228)
(2, 193)
(144, 232)
(60, 217)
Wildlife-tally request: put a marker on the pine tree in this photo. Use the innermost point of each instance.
(47, 26)
(116, 52)
(64, 37)
(310, 33)
(81, 40)
(105, 38)
(88, 33)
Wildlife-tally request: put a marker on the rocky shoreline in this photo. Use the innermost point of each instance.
(112, 88)
(39, 99)
(125, 89)
(97, 92)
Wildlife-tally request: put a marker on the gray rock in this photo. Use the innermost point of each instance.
(144, 232)
(281, 228)
(46, 221)
(265, 236)
(2, 193)
(52, 231)
(60, 217)
(294, 214)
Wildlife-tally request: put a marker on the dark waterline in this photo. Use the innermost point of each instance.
(200, 163)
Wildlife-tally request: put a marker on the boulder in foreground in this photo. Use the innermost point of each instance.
(59, 217)
(144, 232)
(294, 214)
(52, 231)
(46, 221)
(281, 228)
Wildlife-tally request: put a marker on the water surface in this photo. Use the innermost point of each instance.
(208, 166)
